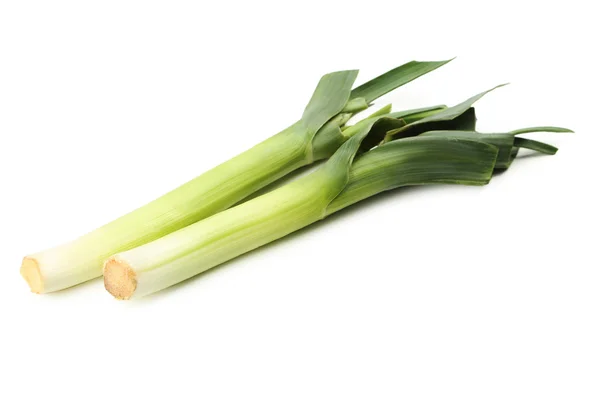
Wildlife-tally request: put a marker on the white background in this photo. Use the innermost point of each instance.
(427, 293)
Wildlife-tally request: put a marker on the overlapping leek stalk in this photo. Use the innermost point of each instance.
(391, 153)
(317, 135)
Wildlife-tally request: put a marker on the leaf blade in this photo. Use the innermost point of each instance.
(555, 129)
(328, 99)
(530, 144)
(395, 78)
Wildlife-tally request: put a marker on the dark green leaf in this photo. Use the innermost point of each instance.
(535, 145)
(417, 161)
(447, 114)
(504, 142)
(507, 143)
(540, 129)
(465, 121)
(379, 130)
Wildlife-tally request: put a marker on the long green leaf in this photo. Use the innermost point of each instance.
(446, 115)
(453, 112)
(541, 129)
(395, 78)
(535, 145)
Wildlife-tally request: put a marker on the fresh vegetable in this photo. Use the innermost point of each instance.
(317, 135)
(383, 153)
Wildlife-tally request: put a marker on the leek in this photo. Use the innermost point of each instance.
(383, 153)
(317, 135)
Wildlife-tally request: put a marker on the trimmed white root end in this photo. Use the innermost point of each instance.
(30, 271)
(119, 278)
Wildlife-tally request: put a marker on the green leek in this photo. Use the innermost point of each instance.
(317, 135)
(359, 169)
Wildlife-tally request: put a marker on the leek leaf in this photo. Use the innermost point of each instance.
(462, 114)
(535, 145)
(329, 98)
(506, 143)
(540, 129)
(395, 78)
(417, 161)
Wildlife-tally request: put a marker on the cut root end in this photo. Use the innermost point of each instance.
(30, 271)
(119, 278)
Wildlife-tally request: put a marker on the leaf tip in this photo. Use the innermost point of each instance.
(444, 62)
(351, 72)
